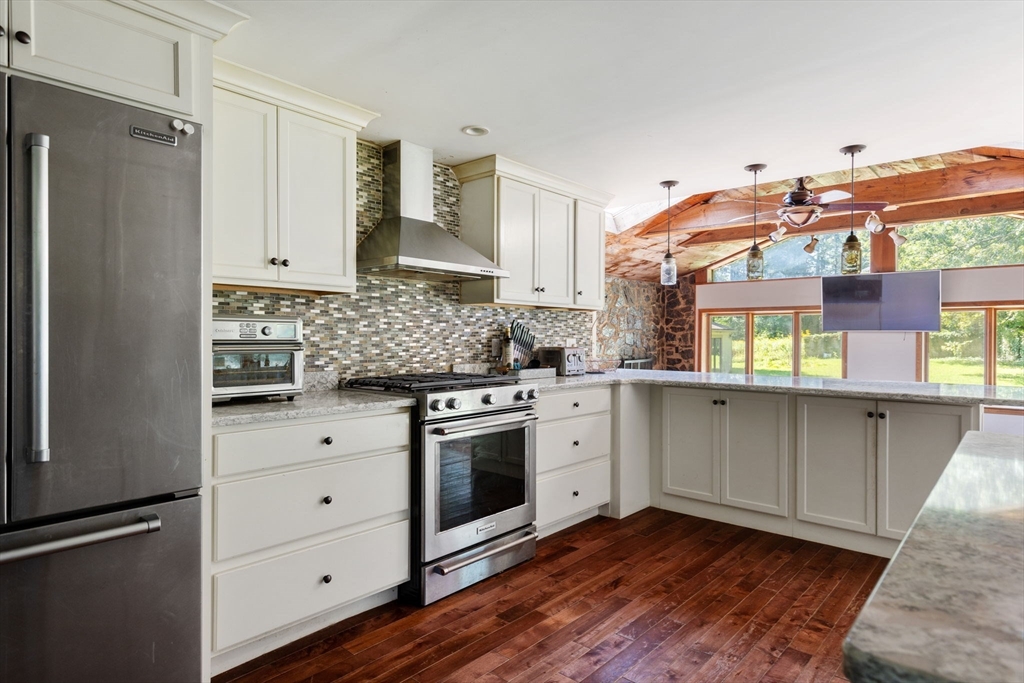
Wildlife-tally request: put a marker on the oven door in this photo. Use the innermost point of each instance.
(250, 370)
(479, 480)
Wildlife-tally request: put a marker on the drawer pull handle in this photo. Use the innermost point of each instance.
(445, 569)
(575, 494)
(328, 578)
(870, 414)
(576, 404)
(328, 500)
(23, 37)
(328, 440)
(575, 443)
(881, 416)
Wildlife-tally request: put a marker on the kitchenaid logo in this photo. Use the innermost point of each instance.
(486, 527)
(228, 330)
(153, 136)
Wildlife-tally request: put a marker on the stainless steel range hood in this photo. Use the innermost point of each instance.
(407, 243)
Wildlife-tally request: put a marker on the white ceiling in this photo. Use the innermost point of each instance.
(621, 95)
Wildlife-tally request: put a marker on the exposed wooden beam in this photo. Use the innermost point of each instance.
(1003, 175)
(911, 214)
(883, 252)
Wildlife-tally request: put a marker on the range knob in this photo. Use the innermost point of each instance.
(454, 403)
(532, 394)
(267, 331)
(488, 399)
(520, 395)
(437, 405)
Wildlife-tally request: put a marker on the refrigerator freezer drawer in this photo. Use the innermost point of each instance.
(123, 609)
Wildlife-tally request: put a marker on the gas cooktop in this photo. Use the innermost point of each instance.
(430, 381)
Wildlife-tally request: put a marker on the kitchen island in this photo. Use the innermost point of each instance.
(950, 606)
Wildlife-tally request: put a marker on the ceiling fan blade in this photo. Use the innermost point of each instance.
(762, 214)
(830, 196)
(855, 206)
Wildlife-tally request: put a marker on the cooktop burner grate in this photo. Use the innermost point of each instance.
(429, 381)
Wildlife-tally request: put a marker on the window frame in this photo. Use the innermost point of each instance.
(988, 345)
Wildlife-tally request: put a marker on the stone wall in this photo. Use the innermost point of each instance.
(676, 326)
(628, 326)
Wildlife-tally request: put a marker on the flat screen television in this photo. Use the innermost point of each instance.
(900, 302)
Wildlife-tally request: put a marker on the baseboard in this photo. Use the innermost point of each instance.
(555, 527)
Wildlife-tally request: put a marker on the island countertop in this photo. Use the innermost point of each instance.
(925, 392)
(950, 605)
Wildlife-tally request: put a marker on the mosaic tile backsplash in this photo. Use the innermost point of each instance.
(394, 326)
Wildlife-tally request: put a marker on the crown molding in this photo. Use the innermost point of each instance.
(203, 17)
(496, 165)
(244, 81)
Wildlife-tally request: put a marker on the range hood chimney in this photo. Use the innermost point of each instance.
(407, 243)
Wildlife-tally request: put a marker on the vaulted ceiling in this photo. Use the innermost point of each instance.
(709, 228)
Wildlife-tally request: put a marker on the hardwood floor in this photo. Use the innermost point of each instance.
(653, 598)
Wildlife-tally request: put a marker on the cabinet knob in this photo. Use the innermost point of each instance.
(714, 402)
(285, 263)
(575, 494)
(543, 289)
(721, 402)
(328, 500)
(23, 37)
(2, 32)
(881, 416)
(870, 414)
(575, 443)
(579, 292)
(328, 440)
(536, 289)
(328, 578)
(274, 261)
(575, 404)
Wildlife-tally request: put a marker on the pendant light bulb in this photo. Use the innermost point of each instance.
(668, 264)
(850, 263)
(755, 257)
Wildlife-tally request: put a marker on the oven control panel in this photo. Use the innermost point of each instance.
(479, 400)
(256, 328)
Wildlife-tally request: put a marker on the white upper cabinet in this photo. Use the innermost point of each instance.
(284, 196)
(546, 231)
(589, 261)
(106, 47)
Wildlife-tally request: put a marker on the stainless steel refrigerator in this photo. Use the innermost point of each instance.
(99, 508)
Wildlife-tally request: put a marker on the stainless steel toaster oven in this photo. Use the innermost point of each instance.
(568, 360)
(256, 356)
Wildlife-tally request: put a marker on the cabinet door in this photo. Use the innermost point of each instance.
(835, 462)
(244, 188)
(105, 47)
(755, 451)
(5, 16)
(316, 197)
(915, 443)
(518, 205)
(556, 248)
(589, 261)
(690, 441)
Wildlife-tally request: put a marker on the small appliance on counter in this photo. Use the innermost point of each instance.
(256, 356)
(568, 360)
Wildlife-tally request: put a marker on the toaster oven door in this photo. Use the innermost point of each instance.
(249, 370)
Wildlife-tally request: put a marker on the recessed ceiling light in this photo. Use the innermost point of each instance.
(476, 131)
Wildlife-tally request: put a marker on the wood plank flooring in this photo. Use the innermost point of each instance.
(657, 597)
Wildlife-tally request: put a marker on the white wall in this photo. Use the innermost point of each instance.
(870, 355)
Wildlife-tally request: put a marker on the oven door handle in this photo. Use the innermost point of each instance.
(445, 569)
(254, 348)
(448, 431)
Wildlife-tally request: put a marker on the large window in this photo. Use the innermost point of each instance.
(977, 346)
(788, 258)
(962, 243)
(775, 336)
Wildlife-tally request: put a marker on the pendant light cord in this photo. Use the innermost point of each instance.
(853, 156)
(668, 211)
(755, 206)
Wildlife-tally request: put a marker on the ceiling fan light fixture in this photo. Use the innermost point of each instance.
(874, 223)
(810, 246)
(776, 236)
(897, 238)
(800, 216)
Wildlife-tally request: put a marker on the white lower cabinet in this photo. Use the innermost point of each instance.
(868, 466)
(573, 453)
(729, 447)
(307, 516)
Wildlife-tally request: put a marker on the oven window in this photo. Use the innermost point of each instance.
(252, 369)
(480, 476)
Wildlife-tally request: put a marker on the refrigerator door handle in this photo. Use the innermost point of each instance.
(38, 147)
(147, 524)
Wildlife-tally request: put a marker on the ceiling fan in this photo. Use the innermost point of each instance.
(801, 207)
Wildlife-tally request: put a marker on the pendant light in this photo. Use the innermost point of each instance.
(755, 257)
(809, 247)
(668, 264)
(851, 256)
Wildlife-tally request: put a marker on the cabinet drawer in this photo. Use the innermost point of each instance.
(106, 47)
(567, 494)
(264, 512)
(260, 449)
(572, 441)
(260, 598)
(559, 405)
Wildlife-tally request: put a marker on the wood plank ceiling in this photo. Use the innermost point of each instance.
(982, 181)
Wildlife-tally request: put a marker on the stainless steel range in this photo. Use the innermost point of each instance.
(473, 477)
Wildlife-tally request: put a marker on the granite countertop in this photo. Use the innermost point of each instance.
(812, 386)
(313, 404)
(950, 606)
